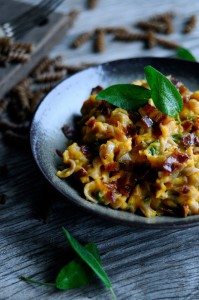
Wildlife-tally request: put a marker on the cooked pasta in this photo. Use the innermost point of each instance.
(143, 162)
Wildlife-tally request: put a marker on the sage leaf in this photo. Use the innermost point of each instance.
(126, 96)
(77, 273)
(90, 260)
(164, 94)
(184, 53)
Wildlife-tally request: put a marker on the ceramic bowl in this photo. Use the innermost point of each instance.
(63, 104)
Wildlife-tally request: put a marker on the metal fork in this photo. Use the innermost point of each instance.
(17, 27)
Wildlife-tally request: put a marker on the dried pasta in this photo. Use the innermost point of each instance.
(141, 161)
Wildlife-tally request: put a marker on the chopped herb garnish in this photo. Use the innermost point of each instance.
(99, 197)
(177, 137)
(147, 199)
(153, 150)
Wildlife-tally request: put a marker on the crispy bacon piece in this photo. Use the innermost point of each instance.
(175, 161)
(131, 130)
(178, 84)
(146, 121)
(96, 90)
(105, 108)
(187, 125)
(68, 131)
(114, 166)
(85, 149)
(80, 173)
(152, 112)
(185, 189)
(125, 184)
(196, 125)
(190, 139)
(91, 122)
(59, 153)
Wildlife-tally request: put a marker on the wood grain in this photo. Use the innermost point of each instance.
(142, 264)
(43, 39)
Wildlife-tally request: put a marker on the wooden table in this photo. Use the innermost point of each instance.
(143, 264)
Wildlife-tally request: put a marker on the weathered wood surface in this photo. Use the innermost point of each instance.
(43, 38)
(142, 264)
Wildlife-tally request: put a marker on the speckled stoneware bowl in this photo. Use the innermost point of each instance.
(64, 102)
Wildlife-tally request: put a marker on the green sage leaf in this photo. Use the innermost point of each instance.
(164, 94)
(126, 96)
(184, 53)
(77, 273)
(88, 258)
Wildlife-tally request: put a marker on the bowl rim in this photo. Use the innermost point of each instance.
(105, 212)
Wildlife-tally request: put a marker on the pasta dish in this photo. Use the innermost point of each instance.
(140, 161)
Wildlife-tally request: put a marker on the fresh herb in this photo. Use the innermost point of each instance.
(184, 53)
(80, 271)
(164, 94)
(76, 273)
(126, 96)
(99, 197)
(90, 260)
(153, 150)
(131, 97)
(177, 137)
(147, 199)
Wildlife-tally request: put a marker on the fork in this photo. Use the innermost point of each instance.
(17, 27)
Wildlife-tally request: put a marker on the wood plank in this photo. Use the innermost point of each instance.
(43, 38)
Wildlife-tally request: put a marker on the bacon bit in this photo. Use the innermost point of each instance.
(81, 173)
(187, 125)
(152, 112)
(125, 185)
(146, 122)
(135, 141)
(96, 90)
(167, 211)
(175, 161)
(111, 187)
(196, 125)
(105, 108)
(111, 196)
(131, 130)
(112, 167)
(190, 139)
(85, 149)
(68, 131)
(91, 122)
(185, 98)
(178, 84)
(185, 189)
(59, 153)
(156, 130)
